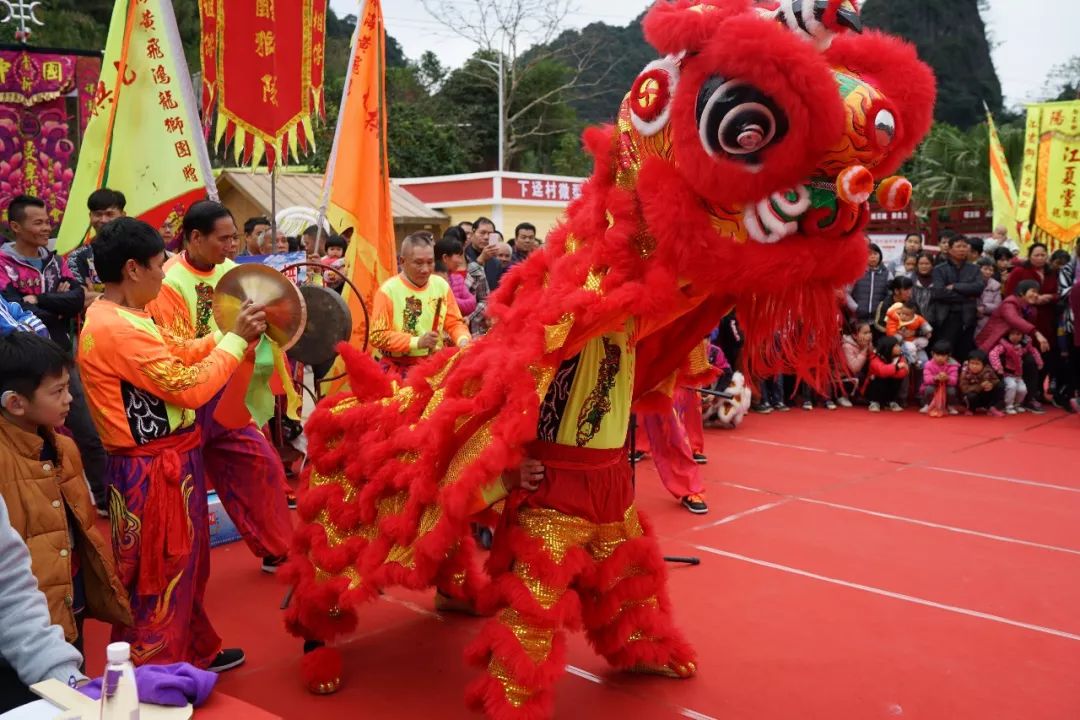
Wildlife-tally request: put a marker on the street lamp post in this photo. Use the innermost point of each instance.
(498, 68)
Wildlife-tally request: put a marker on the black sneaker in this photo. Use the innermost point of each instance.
(227, 660)
(637, 456)
(695, 504)
(290, 499)
(763, 408)
(700, 459)
(271, 564)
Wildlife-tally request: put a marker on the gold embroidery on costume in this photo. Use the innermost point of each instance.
(555, 335)
(598, 403)
(86, 343)
(172, 375)
(594, 280)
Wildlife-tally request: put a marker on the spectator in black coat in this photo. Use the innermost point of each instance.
(955, 292)
(873, 287)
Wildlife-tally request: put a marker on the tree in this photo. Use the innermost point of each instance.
(536, 82)
(951, 38)
(953, 165)
(1063, 83)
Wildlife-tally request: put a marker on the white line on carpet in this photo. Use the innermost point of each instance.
(939, 526)
(695, 715)
(890, 594)
(1000, 478)
(771, 443)
(586, 675)
(574, 670)
(735, 516)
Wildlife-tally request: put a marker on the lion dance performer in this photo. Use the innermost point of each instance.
(753, 145)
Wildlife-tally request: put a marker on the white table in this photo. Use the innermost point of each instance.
(38, 710)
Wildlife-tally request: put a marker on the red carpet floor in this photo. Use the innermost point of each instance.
(854, 566)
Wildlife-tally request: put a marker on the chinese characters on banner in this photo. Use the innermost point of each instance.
(143, 101)
(1049, 182)
(552, 190)
(263, 67)
(36, 139)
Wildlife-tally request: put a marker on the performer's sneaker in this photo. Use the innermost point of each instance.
(844, 402)
(695, 504)
(830, 405)
(637, 456)
(227, 660)
(700, 459)
(270, 564)
(290, 499)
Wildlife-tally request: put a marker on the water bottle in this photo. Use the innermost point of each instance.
(119, 696)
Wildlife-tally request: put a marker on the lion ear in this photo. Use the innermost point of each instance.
(679, 26)
(652, 94)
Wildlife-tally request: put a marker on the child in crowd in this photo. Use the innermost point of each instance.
(888, 369)
(334, 259)
(1007, 359)
(980, 386)
(41, 481)
(857, 347)
(940, 370)
(904, 321)
(991, 294)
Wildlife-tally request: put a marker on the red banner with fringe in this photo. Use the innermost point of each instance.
(263, 64)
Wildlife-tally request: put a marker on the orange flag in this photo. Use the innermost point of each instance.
(357, 179)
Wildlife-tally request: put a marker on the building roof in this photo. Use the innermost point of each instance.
(305, 189)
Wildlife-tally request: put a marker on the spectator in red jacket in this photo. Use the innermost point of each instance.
(888, 369)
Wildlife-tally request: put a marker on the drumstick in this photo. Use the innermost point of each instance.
(435, 325)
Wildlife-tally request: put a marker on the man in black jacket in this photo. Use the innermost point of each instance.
(957, 285)
(40, 281)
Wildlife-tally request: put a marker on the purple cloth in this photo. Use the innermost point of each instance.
(171, 685)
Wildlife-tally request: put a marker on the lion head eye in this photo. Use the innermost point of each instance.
(737, 121)
(884, 128)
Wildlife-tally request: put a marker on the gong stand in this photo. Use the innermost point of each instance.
(633, 480)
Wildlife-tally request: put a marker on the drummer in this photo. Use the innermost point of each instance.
(143, 387)
(414, 309)
(244, 468)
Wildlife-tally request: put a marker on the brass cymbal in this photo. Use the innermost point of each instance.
(286, 311)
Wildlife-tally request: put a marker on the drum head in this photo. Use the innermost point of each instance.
(286, 313)
(328, 323)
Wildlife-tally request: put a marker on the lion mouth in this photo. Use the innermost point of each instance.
(811, 209)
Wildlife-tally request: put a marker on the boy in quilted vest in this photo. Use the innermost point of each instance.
(41, 480)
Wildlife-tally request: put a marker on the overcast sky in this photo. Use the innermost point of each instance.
(1030, 36)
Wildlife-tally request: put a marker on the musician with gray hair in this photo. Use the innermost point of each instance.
(414, 311)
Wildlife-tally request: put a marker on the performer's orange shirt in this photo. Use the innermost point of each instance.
(402, 312)
(142, 382)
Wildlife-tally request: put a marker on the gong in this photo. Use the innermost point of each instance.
(286, 312)
(329, 322)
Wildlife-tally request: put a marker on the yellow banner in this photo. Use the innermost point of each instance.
(145, 102)
(1002, 187)
(1052, 159)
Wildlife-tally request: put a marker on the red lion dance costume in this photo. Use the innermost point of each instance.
(736, 174)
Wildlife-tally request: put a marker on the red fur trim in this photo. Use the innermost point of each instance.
(321, 668)
(686, 25)
(488, 695)
(892, 66)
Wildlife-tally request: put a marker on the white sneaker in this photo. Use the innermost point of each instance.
(842, 401)
(924, 409)
(895, 407)
(875, 407)
(953, 411)
(1010, 411)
